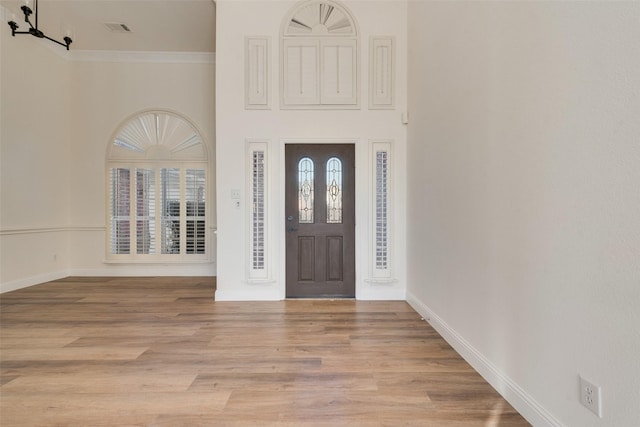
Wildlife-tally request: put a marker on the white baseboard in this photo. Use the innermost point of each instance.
(531, 410)
(32, 281)
(380, 292)
(133, 270)
(107, 272)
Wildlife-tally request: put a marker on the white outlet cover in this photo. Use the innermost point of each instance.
(591, 396)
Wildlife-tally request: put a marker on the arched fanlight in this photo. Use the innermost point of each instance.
(318, 18)
(157, 135)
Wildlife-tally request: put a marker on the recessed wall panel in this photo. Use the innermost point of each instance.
(257, 75)
(381, 72)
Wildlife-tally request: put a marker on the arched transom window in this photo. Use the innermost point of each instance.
(157, 190)
(319, 56)
(320, 18)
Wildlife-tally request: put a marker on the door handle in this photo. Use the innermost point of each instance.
(291, 229)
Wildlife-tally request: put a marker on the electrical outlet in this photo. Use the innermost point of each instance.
(591, 397)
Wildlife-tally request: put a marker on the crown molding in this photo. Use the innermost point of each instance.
(141, 57)
(121, 56)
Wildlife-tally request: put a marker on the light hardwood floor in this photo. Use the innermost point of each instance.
(161, 352)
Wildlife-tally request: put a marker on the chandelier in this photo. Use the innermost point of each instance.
(34, 30)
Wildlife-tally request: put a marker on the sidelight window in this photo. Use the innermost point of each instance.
(258, 211)
(382, 212)
(257, 243)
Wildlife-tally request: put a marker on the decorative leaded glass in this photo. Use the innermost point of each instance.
(145, 211)
(382, 181)
(258, 216)
(305, 190)
(334, 191)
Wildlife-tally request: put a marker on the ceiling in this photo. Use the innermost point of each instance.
(156, 25)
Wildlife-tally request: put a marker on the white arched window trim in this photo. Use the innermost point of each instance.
(319, 57)
(157, 192)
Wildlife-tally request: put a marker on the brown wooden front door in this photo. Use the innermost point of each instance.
(320, 220)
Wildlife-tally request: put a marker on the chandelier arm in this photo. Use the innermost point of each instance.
(27, 12)
(26, 19)
(56, 41)
(20, 32)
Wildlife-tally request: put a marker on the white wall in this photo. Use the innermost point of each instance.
(106, 94)
(524, 197)
(58, 115)
(236, 20)
(34, 170)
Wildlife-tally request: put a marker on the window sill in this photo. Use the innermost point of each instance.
(158, 261)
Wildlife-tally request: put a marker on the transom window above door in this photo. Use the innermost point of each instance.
(319, 57)
(157, 191)
(320, 18)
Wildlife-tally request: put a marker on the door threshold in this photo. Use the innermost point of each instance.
(319, 298)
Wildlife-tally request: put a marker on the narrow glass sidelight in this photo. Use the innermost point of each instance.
(305, 190)
(257, 241)
(258, 213)
(334, 191)
(382, 213)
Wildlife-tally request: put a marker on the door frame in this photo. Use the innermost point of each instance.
(361, 206)
(321, 285)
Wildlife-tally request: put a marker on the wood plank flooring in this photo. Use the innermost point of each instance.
(161, 352)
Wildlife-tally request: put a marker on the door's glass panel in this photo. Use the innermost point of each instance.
(145, 211)
(305, 191)
(170, 201)
(195, 200)
(119, 193)
(334, 191)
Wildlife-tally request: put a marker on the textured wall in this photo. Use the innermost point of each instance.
(235, 125)
(35, 138)
(524, 196)
(58, 115)
(106, 94)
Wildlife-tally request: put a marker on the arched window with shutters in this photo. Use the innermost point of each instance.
(157, 190)
(319, 57)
